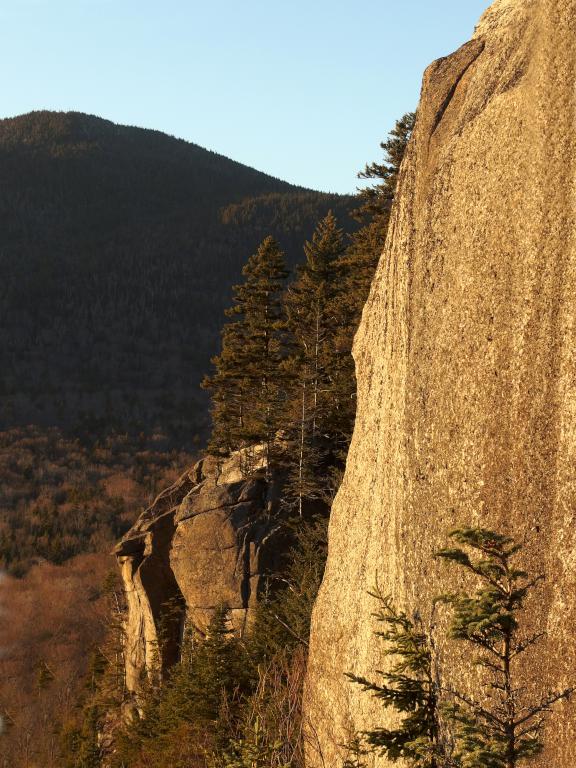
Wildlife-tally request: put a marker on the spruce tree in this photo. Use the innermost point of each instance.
(357, 265)
(373, 213)
(199, 702)
(409, 689)
(312, 406)
(247, 384)
(373, 199)
(283, 617)
(229, 389)
(498, 726)
(253, 750)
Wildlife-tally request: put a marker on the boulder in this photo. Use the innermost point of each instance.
(206, 541)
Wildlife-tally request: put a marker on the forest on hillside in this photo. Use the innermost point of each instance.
(118, 248)
(96, 307)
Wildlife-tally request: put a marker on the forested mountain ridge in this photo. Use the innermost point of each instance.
(118, 250)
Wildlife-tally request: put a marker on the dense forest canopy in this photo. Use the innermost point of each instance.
(118, 250)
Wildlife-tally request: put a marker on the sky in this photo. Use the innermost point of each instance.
(301, 89)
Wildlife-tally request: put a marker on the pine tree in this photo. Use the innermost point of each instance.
(311, 416)
(283, 618)
(199, 702)
(270, 723)
(247, 384)
(373, 208)
(251, 751)
(498, 727)
(229, 387)
(357, 265)
(409, 689)
(373, 213)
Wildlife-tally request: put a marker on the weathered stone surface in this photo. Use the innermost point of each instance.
(466, 368)
(218, 552)
(205, 541)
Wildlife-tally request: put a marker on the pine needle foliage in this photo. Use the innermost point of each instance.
(407, 689)
(356, 267)
(209, 681)
(385, 172)
(311, 413)
(246, 386)
(499, 726)
(283, 616)
(251, 751)
(373, 213)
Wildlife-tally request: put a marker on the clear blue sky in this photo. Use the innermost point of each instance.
(301, 89)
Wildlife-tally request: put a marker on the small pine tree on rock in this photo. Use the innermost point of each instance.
(498, 727)
(408, 689)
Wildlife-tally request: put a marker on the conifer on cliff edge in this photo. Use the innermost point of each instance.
(246, 386)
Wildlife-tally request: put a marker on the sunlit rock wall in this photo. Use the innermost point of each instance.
(466, 364)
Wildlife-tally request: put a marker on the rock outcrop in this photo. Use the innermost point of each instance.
(466, 366)
(205, 541)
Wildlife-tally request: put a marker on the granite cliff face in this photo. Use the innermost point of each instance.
(206, 541)
(466, 365)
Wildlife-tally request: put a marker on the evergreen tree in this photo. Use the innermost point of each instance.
(409, 689)
(270, 723)
(247, 384)
(283, 618)
(251, 751)
(312, 406)
(373, 213)
(200, 701)
(499, 727)
(373, 199)
(229, 388)
(356, 267)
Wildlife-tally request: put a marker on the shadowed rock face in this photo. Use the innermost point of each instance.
(206, 541)
(466, 369)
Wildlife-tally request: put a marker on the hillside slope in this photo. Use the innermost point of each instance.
(118, 249)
